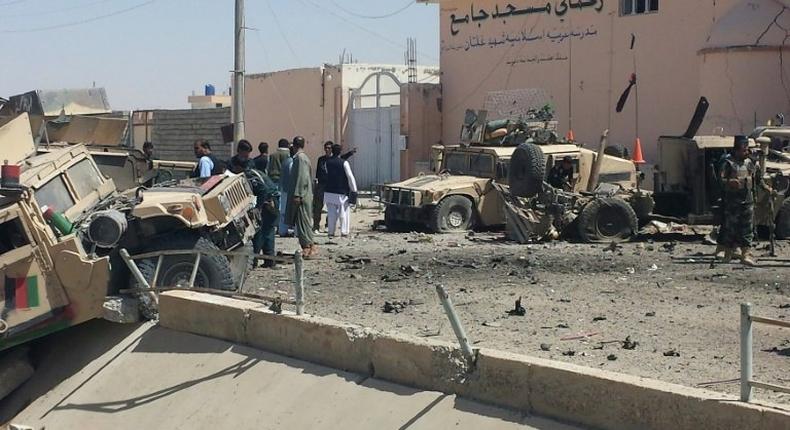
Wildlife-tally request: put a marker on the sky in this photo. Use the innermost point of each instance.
(155, 53)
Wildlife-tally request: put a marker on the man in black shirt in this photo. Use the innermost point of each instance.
(561, 175)
(320, 185)
(261, 162)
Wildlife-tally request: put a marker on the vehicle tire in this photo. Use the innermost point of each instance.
(619, 151)
(783, 220)
(214, 271)
(607, 220)
(527, 170)
(453, 213)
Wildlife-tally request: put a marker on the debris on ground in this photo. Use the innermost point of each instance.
(611, 357)
(394, 307)
(671, 353)
(596, 319)
(276, 306)
(569, 353)
(409, 270)
(785, 306)
(350, 259)
(517, 310)
(650, 314)
(545, 346)
(580, 336)
(491, 324)
(630, 344)
(420, 238)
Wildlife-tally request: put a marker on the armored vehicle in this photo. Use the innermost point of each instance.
(686, 176)
(461, 196)
(63, 223)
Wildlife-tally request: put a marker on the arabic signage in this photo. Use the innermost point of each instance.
(556, 8)
(522, 37)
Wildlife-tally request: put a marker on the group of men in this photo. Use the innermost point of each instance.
(287, 193)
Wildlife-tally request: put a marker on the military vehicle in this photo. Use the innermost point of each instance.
(461, 196)
(686, 177)
(63, 224)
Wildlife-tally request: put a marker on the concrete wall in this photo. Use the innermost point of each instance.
(589, 397)
(582, 57)
(421, 123)
(174, 132)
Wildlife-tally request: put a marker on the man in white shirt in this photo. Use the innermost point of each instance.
(340, 192)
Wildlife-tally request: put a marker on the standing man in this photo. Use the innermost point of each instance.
(341, 192)
(738, 173)
(266, 198)
(320, 185)
(243, 151)
(279, 165)
(300, 212)
(148, 151)
(208, 164)
(261, 162)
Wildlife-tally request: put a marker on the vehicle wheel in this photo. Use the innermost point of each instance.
(783, 220)
(453, 213)
(607, 220)
(619, 151)
(214, 271)
(527, 170)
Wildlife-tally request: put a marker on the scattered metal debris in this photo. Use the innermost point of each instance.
(517, 310)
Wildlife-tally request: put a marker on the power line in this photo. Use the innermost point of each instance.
(386, 15)
(282, 32)
(54, 11)
(80, 22)
(9, 3)
(365, 29)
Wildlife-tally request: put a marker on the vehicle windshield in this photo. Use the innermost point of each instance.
(470, 163)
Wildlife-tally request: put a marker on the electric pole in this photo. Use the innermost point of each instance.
(238, 76)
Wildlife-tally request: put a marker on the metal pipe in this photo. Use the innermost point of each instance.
(771, 321)
(460, 333)
(195, 267)
(596, 169)
(765, 386)
(746, 352)
(133, 268)
(299, 282)
(156, 271)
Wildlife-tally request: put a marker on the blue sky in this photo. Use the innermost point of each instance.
(153, 54)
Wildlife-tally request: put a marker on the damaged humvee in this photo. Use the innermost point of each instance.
(63, 225)
(461, 195)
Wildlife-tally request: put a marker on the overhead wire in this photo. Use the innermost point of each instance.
(386, 15)
(82, 21)
(363, 28)
(282, 32)
(54, 11)
(9, 3)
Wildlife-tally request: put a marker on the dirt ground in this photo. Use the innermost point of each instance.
(652, 308)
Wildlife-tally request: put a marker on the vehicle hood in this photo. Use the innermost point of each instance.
(439, 182)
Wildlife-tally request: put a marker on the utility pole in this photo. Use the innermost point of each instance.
(238, 76)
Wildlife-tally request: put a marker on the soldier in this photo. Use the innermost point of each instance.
(738, 176)
(561, 175)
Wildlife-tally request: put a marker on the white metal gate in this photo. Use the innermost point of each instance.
(375, 132)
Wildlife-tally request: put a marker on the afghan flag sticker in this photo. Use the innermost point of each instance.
(21, 293)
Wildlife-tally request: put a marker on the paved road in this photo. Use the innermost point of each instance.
(158, 378)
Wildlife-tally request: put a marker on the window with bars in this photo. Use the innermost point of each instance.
(638, 7)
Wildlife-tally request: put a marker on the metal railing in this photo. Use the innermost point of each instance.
(151, 288)
(747, 382)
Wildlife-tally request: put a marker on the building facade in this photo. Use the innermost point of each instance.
(580, 55)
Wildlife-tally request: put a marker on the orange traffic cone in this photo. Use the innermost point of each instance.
(569, 137)
(638, 158)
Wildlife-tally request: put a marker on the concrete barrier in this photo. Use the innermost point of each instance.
(575, 394)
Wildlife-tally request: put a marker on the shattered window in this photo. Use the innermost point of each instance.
(481, 165)
(55, 194)
(456, 162)
(12, 235)
(85, 178)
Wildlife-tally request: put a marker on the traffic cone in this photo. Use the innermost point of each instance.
(569, 137)
(638, 158)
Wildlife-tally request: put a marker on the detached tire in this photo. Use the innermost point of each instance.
(527, 170)
(607, 220)
(453, 213)
(214, 271)
(619, 151)
(783, 220)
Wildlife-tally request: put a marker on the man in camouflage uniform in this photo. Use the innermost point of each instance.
(267, 198)
(738, 175)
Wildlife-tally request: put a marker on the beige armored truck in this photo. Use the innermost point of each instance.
(62, 226)
(462, 196)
